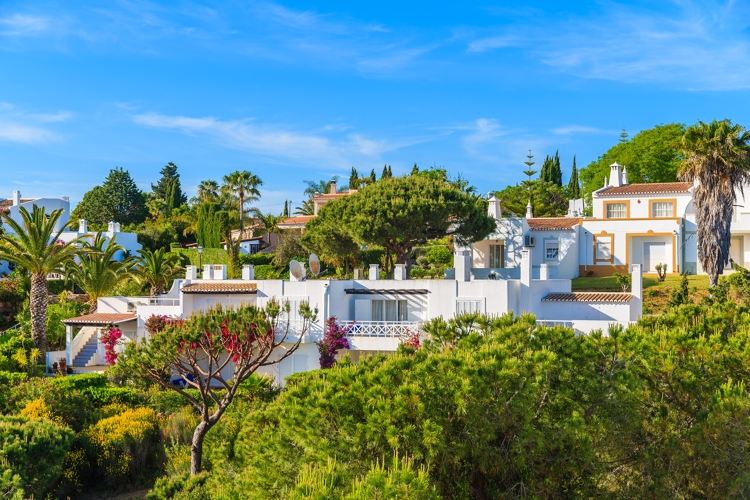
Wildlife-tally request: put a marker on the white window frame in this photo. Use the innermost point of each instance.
(469, 305)
(659, 206)
(379, 310)
(621, 211)
(497, 259)
(549, 245)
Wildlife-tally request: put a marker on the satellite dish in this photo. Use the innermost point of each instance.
(296, 270)
(314, 264)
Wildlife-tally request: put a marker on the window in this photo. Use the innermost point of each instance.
(468, 306)
(603, 248)
(617, 210)
(389, 310)
(497, 253)
(662, 209)
(551, 251)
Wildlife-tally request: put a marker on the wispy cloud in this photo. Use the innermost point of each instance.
(690, 44)
(18, 125)
(278, 143)
(580, 129)
(23, 25)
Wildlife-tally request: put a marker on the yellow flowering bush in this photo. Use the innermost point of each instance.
(38, 409)
(124, 443)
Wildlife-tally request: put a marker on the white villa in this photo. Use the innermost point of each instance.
(129, 241)
(644, 224)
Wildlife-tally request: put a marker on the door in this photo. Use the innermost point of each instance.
(653, 255)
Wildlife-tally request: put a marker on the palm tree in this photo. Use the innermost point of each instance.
(307, 208)
(269, 222)
(245, 184)
(717, 155)
(157, 269)
(99, 271)
(208, 190)
(36, 247)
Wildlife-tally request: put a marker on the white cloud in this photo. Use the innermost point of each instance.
(279, 143)
(689, 44)
(23, 25)
(15, 132)
(580, 129)
(17, 125)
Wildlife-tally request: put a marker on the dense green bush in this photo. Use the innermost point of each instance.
(11, 344)
(256, 259)
(267, 272)
(34, 449)
(439, 256)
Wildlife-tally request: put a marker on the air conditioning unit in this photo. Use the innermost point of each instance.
(529, 241)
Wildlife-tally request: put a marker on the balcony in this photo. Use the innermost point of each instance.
(387, 329)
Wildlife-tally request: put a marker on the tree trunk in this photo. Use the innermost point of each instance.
(242, 213)
(196, 448)
(38, 305)
(156, 290)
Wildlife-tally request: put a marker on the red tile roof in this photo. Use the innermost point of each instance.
(300, 219)
(100, 319)
(553, 223)
(588, 297)
(649, 188)
(9, 202)
(220, 287)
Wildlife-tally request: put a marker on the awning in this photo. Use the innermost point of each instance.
(399, 291)
(101, 319)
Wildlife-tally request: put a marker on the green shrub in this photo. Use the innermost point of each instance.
(11, 484)
(256, 259)
(267, 272)
(56, 287)
(10, 344)
(439, 256)
(35, 450)
(182, 487)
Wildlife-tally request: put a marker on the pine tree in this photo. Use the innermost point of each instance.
(415, 170)
(574, 189)
(529, 172)
(170, 180)
(372, 177)
(353, 180)
(624, 135)
(386, 172)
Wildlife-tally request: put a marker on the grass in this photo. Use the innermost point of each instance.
(608, 284)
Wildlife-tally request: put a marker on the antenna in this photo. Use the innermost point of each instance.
(296, 270)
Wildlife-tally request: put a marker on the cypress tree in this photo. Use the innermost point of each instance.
(219, 228)
(386, 172)
(556, 171)
(170, 180)
(415, 170)
(546, 173)
(372, 177)
(574, 189)
(286, 208)
(354, 180)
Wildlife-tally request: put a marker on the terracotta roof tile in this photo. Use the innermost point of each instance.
(588, 297)
(101, 319)
(552, 223)
(9, 202)
(220, 287)
(300, 219)
(649, 188)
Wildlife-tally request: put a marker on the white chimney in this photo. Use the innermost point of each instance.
(111, 227)
(248, 272)
(525, 301)
(191, 273)
(462, 265)
(16, 198)
(333, 187)
(219, 272)
(529, 210)
(493, 208)
(636, 290)
(615, 175)
(374, 272)
(208, 272)
(624, 176)
(543, 272)
(83, 226)
(606, 183)
(399, 272)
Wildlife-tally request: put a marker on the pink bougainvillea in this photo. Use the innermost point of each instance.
(334, 339)
(156, 324)
(412, 339)
(110, 337)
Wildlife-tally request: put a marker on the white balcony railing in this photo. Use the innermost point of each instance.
(160, 301)
(391, 329)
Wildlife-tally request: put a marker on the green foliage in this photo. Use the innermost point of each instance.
(624, 280)
(10, 345)
(267, 272)
(64, 309)
(547, 200)
(551, 170)
(289, 248)
(574, 188)
(160, 234)
(256, 259)
(652, 155)
(118, 199)
(212, 225)
(328, 238)
(440, 256)
(34, 450)
(169, 188)
(183, 487)
(681, 294)
(401, 212)
(190, 256)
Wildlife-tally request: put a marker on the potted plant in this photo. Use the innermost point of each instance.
(61, 363)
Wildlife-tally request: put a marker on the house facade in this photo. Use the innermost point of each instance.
(646, 224)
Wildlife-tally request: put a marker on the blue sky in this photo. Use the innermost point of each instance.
(301, 90)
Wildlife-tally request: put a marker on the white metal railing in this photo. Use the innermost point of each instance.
(10, 329)
(394, 329)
